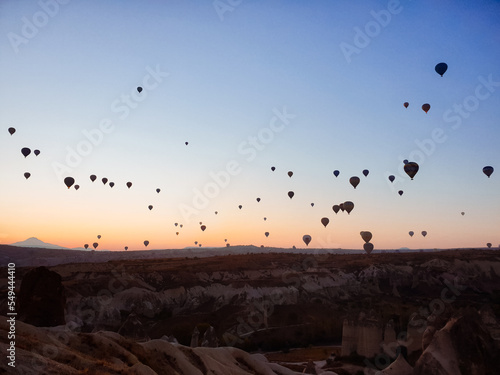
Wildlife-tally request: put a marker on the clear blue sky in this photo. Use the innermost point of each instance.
(215, 74)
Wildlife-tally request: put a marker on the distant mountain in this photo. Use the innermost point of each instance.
(35, 242)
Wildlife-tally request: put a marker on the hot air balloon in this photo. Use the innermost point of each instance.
(411, 169)
(312, 204)
(216, 212)
(180, 225)
(95, 244)
(203, 227)
(77, 187)
(341, 205)
(273, 168)
(488, 170)
(150, 207)
(158, 190)
(225, 239)
(406, 104)
(139, 89)
(176, 224)
(86, 246)
(392, 178)
(405, 161)
(25, 151)
(441, 68)
(266, 234)
(227, 245)
(129, 185)
(258, 199)
(186, 143)
(354, 181)
(336, 173)
(348, 206)
(424, 233)
(489, 245)
(365, 172)
(240, 206)
(196, 242)
(98, 236)
(104, 180)
(463, 213)
(325, 221)
(368, 247)
(69, 181)
(12, 131)
(126, 248)
(27, 175)
(290, 174)
(400, 192)
(146, 243)
(93, 177)
(306, 238)
(291, 194)
(426, 107)
(265, 218)
(366, 236)
(36, 152)
(111, 184)
(411, 233)
(176, 233)
(336, 208)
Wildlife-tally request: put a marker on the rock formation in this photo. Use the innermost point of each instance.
(398, 367)
(210, 338)
(41, 300)
(132, 328)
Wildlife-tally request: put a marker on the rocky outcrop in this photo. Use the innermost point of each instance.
(398, 367)
(463, 346)
(363, 337)
(41, 299)
(210, 338)
(132, 328)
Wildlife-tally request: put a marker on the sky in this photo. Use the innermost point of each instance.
(307, 87)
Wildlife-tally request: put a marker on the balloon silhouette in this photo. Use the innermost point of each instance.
(441, 68)
(77, 187)
(400, 192)
(129, 185)
(203, 227)
(405, 161)
(489, 245)
(111, 184)
(95, 244)
(366, 236)
(139, 89)
(336, 173)
(216, 212)
(336, 208)
(186, 143)
(158, 190)
(266, 234)
(291, 194)
(25, 151)
(12, 131)
(488, 170)
(36, 152)
(290, 174)
(325, 221)
(463, 213)
(258, 199)
(69, 181)
(265, 218)
(392, 178)
(424, 233)
(406, 104)
(176, 224)
(273, 168)
(411, 233)
(307, 239)
(98, 236)
(176, 233)
(86, 246)
(365, 172)
(126, 248)
(93, 177)
(150, 207)
(368, 247)
(146, 243)
(27, 175)
(411, 169)
(104, 180)
(240, 206)
(312, 204)
(426, 107)
(348, 206)
(341, 205)
(354, 181)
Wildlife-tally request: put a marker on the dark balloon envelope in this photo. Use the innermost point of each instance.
(336, 208)
(27, 175)
(366, 172)
(36, 152)
(25, 151)
(273, 168)
(325, 221)
(95, 244)
(291, 194)
(104, 180)
(400, 192)
(307, 239)
(150, 207)
(368, 247)
(77, 187)
(348, 206)
(406, 104)
(158, 190)
(411, 169)
(336, 173)
(69, 181)
(426, 107)
(146, 243)
(12, 131)
(111, 184)
(441, 68)
(488, 170)
(354, 181)
(139, 89)
(129, 185)
(290, 174)
(93, 177)
(86, 246)
(392, 178)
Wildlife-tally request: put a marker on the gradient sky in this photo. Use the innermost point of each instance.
(226, 68)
